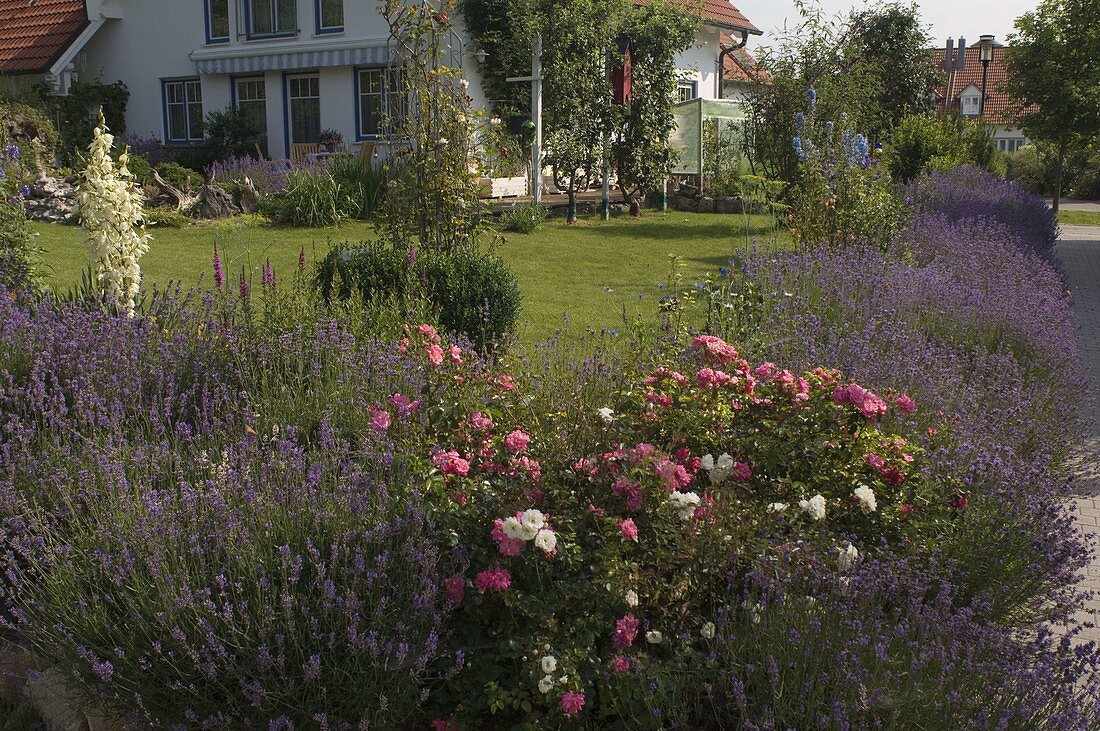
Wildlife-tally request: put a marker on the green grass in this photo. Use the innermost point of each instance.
(592, 271)
(1079, 218)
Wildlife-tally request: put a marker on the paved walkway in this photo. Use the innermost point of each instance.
(1079, 251)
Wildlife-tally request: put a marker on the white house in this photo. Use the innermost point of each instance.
(298, 66)
(961, 93)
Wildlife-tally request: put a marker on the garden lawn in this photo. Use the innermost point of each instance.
(587, 274)
(1079, 218)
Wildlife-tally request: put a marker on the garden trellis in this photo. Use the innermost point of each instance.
(688, 138)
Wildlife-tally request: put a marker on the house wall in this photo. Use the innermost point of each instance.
(153, 41)
(700, 62)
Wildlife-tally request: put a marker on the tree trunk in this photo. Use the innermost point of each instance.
(183, 200)
(571, 213)
(1059, 167)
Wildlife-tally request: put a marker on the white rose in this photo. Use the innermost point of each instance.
(533, 519)
(632, 598)
(815, 507)
(607, 415)
(513, 528)
(549, 664)
(546, 539)
(777, 507)
(546, 684)
(846, 557)
(707, 462)
(865, 496)
(685, 503)
(654, 637)
(707, 631)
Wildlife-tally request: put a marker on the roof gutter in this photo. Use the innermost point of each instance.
(728, 51)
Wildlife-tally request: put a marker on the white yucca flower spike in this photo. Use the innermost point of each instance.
(111, 212)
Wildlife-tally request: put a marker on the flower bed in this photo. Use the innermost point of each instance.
(215, 522)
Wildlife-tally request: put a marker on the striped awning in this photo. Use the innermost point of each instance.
(294, 61)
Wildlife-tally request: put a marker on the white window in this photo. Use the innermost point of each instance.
(304, 93)
(217, 21)
(251, 95)
(182, 110)
(330, 16)
(381, 100)
(271, 17)
(970, 104)
(688, 90)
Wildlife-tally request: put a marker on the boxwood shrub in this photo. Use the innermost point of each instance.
(472, 293)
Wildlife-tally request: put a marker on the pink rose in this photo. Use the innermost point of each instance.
(481, 422)
(572, 703)
(380, 421)
(454, 589)
(456, 354)
(494, 579)
(905, 404)
(435, 355)
(517, 442)
(629, 530)
(450, 463)
(429, 332)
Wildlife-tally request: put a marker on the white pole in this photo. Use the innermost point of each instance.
(536, 112)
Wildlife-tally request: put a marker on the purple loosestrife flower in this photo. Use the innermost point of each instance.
(268, 274)
(302, 259)
(219, 272)
(244, 289)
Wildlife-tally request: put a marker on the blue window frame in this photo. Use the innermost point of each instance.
(216, 14)
(182, 111)
(379, 99)
(330, 16)
(265, 18)
(688, 90)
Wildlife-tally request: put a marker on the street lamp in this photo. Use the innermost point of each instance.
(985, 53)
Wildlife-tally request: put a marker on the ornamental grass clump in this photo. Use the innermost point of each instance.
(110, 205)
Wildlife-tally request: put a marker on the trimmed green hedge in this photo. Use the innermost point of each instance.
(472, 293)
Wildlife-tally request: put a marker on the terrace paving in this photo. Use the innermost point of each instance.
(1079, 251)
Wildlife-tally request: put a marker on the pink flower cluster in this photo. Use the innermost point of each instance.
(626, 630)
(572, 703)
(628, 530)
(451, 463)
(517, 441)
(433, 346)
(454, 588)
(494, 579)
(870, 405)
(507, 546)
(715, 349)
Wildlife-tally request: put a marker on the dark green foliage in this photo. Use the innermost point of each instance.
(28, 128)
(18, 254)
(472, 293)
(76, 114)
(230, 133)
(503, 29)
(140, 168)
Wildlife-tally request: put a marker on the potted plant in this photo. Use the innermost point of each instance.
(329, 139)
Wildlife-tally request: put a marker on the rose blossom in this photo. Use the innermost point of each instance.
(572, 703)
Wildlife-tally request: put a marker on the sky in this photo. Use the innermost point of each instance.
(947, 18)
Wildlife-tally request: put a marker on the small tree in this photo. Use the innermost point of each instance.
(111, 212)
(641, 151)
(1054, 76)
(578, 113)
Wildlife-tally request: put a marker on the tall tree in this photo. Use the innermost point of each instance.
(1054, 76)
(891, 42)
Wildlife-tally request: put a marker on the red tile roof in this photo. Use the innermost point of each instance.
(740, 65)
(999, 106)
(33, 33)
(720, 13)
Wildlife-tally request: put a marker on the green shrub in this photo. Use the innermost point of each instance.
(140, 168)
(230, 133)
(312, 199)
(361, 185)
(178, 176)
(523, 218)
(921, 143)
(19, 255)
(166, 218)
(469, 292)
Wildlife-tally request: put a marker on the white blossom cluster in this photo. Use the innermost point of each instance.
(685, 503)
(718, 469)
(531, 526)
(814, 507)
(110, 207)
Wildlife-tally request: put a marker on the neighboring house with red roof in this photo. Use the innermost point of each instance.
(740, 72)
(296, 66)
(961, 93)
